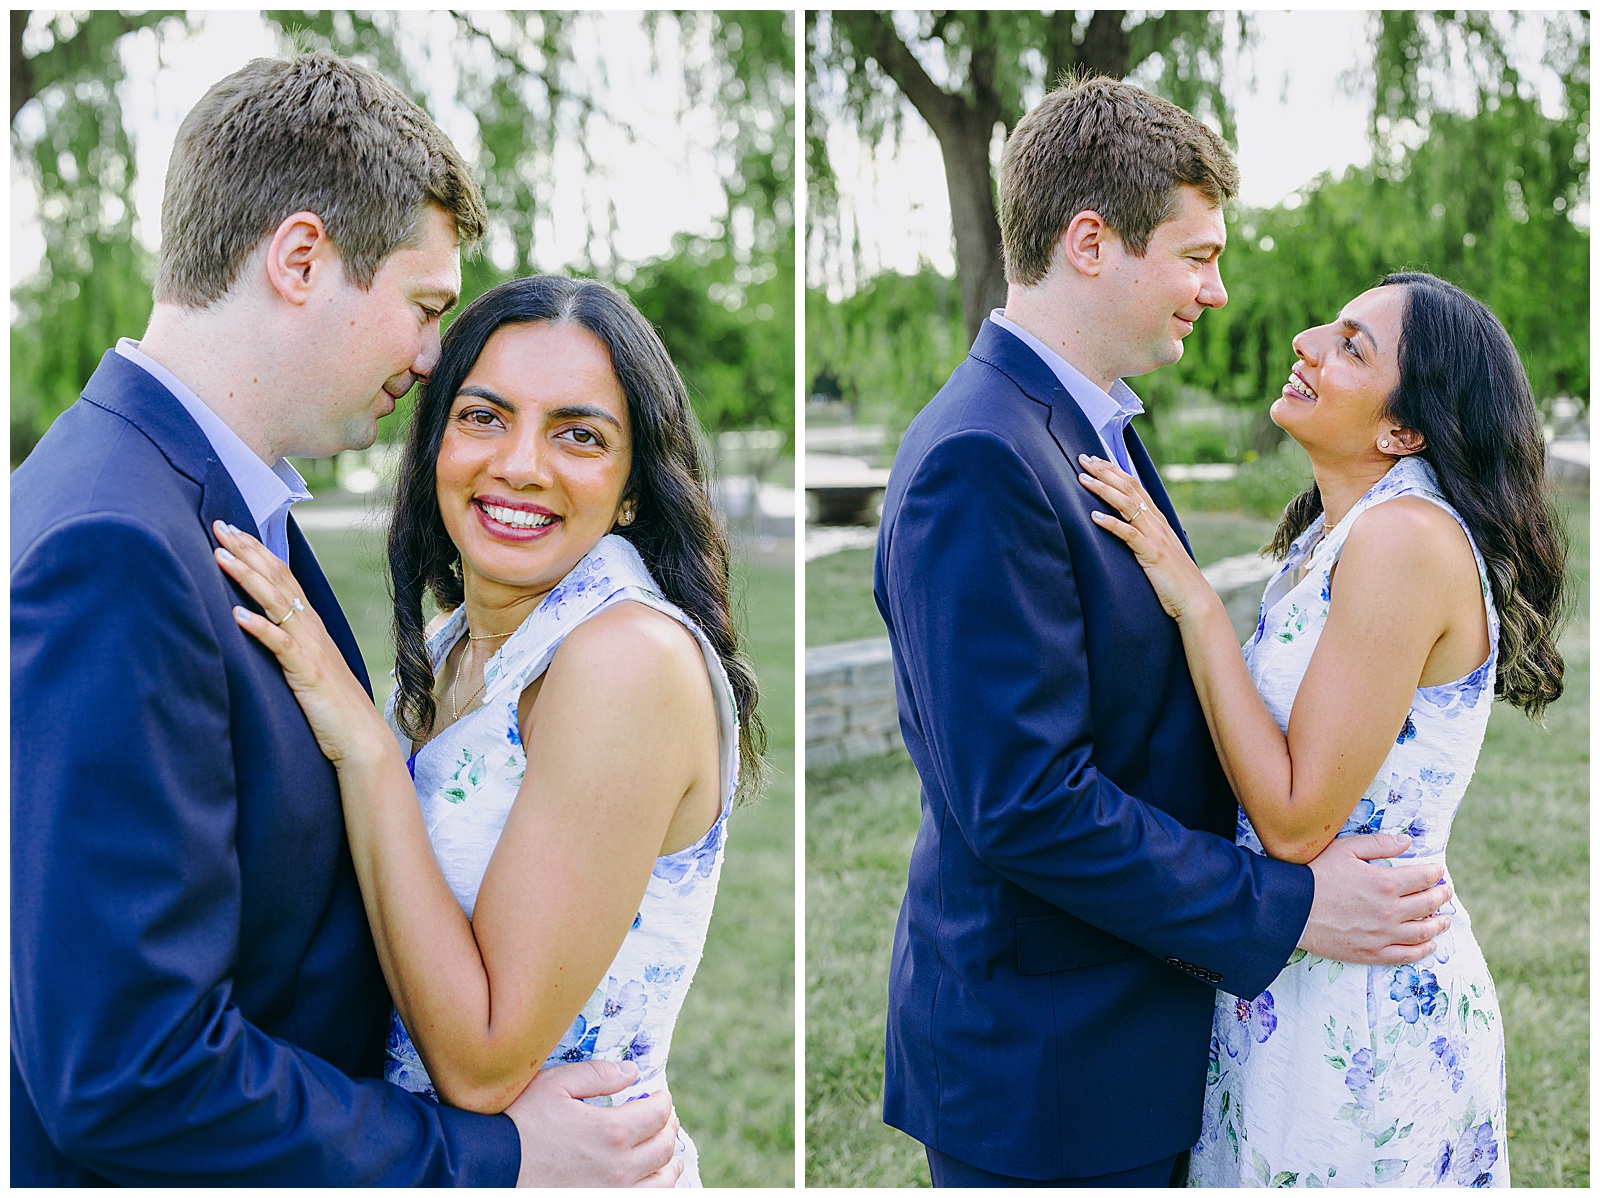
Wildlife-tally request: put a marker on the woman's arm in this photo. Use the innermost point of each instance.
(612, 752)
(1393, 589)
(611, 755)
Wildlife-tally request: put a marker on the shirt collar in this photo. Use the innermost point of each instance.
(1103, 409)
(265, 489)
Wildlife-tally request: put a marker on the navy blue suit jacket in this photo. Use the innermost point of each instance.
(1074, 891)
(195, 997)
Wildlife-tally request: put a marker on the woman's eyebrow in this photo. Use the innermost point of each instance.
(479, 391)
(1362, 329)
(584, 411)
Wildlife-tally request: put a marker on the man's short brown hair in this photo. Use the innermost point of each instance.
(1109, 147)
(313, 132)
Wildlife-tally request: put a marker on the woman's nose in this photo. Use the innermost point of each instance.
(524, 462)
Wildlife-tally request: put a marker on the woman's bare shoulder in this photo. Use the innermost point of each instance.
(633, 644)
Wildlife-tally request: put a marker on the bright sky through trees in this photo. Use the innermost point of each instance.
(662, 182)
(1301, 98)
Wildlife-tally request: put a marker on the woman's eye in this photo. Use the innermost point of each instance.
(583, 436)
(480, 417)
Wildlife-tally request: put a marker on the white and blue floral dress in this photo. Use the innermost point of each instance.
(1345, 1075)
(467, 779)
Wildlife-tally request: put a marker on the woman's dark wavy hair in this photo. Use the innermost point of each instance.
(674, 529)
(1463, 388)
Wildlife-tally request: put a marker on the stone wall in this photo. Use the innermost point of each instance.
(850, 708)
(850, 705)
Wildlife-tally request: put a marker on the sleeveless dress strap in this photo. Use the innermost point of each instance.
(610, 573)
(1414, 478)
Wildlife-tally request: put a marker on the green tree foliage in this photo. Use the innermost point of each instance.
(968, 74)
(723, 299)
(93, 284)
(889, 347)
(1483, 193)
(1486, 200)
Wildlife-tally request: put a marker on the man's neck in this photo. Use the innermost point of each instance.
(1059, 321)
(204, 349)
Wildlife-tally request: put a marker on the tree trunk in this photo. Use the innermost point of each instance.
(1104, 49)
(964, 127)
(980, 265)
(21, 67)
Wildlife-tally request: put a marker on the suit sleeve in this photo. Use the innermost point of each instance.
(126, 906)
(986, 611)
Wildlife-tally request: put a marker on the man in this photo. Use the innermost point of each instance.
(195, 993)
(1074, 892)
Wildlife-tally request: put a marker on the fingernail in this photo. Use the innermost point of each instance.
(224, 556)
(234, 529)
(240, 614)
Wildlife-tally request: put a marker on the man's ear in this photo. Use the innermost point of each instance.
(300, 257)
(1084, 242)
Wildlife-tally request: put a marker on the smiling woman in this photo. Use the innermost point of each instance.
(534, 460)
(550, 851)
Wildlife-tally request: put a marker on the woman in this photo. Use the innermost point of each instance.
(1422, 576)
(572, 727)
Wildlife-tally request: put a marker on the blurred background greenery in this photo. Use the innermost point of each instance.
(1478, 125)
(545, 106)
(590, 133)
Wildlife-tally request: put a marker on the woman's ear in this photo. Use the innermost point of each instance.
(1402, 442)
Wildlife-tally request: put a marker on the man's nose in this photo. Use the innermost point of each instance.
(427, 358)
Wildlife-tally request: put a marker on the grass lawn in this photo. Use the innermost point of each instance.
(733, 1051)
(839, 603)
(1519, 855)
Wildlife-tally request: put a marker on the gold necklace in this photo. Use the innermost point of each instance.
(455, 683)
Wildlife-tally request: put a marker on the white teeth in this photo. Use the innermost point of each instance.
(1294, 381)
(515, 516)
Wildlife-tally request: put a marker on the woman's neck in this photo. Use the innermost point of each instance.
(492, 614)
(1343, 482)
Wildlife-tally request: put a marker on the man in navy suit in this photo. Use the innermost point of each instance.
(195, 996)
(1075, 894)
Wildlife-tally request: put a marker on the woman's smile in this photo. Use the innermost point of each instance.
(535, 459)
(514, 520)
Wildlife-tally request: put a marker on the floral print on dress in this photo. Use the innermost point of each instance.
(467, 779)
(1406, 1084)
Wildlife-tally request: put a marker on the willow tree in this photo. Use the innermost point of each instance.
(968, 76)
(725, 302)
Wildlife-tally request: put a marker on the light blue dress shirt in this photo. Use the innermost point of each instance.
(1108, 413)
(269, 491)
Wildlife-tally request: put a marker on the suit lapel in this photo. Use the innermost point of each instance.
(1152, 482)
(123, 387)
(320, 595)
(1069, 427)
